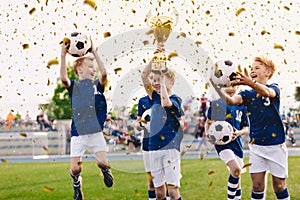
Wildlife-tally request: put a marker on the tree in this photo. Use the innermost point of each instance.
(59, 106)
(297, 94)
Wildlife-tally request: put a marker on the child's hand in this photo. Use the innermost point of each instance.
(64, 48)
(242, 79)
(92, 49)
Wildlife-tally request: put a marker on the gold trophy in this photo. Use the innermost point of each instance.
(161, 28)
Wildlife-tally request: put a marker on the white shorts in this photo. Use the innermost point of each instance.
(227, 155)
(165, 167)
(146, 158)
(273, 158)
(91, 142)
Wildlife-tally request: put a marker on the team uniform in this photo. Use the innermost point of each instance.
(164, 142)
(268, 150)
(143, 105)
(219, 110)
(89, 110)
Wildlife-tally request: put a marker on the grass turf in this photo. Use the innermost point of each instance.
(30, 181)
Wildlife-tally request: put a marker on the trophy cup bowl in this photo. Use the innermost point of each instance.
(161, 27)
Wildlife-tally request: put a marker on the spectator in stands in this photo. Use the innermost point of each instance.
(40, 120)
(200, 135)
(203, 107)
(19, 120)
(27, 120)
(10, 119)
(291, 136)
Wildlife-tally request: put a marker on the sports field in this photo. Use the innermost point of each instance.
(202, 179)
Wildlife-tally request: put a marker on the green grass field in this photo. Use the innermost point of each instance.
(28, 181)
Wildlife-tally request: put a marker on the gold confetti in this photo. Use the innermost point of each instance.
(198, 42)
(210, 186)
(117, 70)
(239, 69)
(80, 163)
(246, 72)
(188, 146)
(137, 193)
(32, 11)
(228, 116)
(182, 34)
(210, 173)
(239, 11)
(149, 32)
(47, 189)
(91, 3)
(274, 134)
(46, 149)
(48, 82)
(25, 46)
(172, 54)
(263, 32)
(278, 46)
(149, 176)
(146, 42)
(4, 160)
(183, 153)
(133, 11)
(162, 137)
(231, 34)
(252, 141)
(297, 32)
(52, 62)
(106, 34)
(247, 165)
(23, 134)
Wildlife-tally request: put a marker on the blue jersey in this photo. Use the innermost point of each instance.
(143, 105)
(89, 108)
(266, 127)
(165, 130)
(219, 110)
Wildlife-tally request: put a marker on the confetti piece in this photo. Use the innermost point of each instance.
(91, 3)
(146, 42)
(246, 72)
(182, 34)
(137, 193)
(47, 189)
(183, 153)
(274, 134)
(117, 70)
(80, 163)
(23, 134)
(188, 146)
(231, 34)
(239, 11)
(201, 155)
(4, 161)
(52, 62)
(46, 149)
(278, 46)
(172, 54)
(252, 141)
(162, 137)
(149, 32)
(247, 165)
(198, 42)
(32, 11)
(297, 32)
(211, 173)
(25, 46)
(106, 34)
(149, 176)
(210, 186)
(239, 69)
(48, 82)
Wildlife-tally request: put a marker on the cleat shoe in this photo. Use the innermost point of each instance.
(108, 178)
(78, 194)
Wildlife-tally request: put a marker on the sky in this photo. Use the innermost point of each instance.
(31, 32)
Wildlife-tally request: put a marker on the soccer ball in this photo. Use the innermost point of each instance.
(224, 73)
(146, 117)
(220, 132)
(80, 45)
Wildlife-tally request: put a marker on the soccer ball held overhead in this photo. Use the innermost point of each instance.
(80, 44)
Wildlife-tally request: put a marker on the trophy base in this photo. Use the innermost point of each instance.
(159, 71)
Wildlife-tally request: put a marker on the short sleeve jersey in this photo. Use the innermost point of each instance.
(266, 127)
(89, 107)
(165, 129)
(219, 110)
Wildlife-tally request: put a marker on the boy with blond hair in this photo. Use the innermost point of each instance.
(268, 150)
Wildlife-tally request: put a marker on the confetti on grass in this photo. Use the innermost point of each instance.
(47, 189)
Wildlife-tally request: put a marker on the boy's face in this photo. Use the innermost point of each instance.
(259, 72)
(87, 70)
(230, 90)
(156, 82)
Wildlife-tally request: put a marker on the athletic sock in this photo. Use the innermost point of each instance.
(257, 195)
(284, 195)
(238, 194)
(151, 195)
(232, 186)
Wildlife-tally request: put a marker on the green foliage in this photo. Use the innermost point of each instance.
(297, 93)
(59, 106)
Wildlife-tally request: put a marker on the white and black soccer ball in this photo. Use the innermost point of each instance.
(224, 73)
(80, 44)
(220, 132)
(146, 117)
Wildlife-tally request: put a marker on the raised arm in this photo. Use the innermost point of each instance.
(102, 71)
(165, 100)
(146, 79)
(63, 68)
